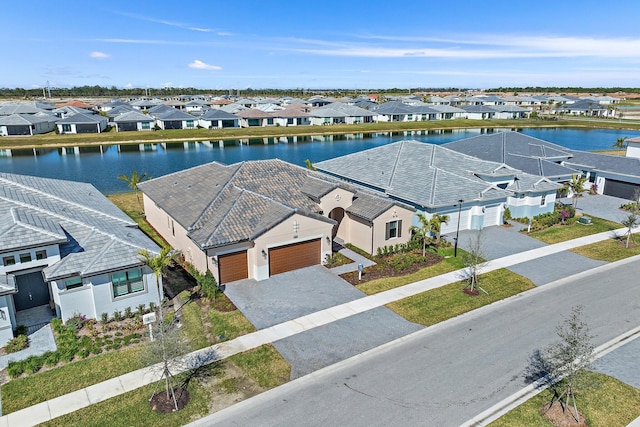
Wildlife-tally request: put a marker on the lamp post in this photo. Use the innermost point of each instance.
(455, 245)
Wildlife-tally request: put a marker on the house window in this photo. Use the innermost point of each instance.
(290, 121)
(146, 125)
(189, 123)
(127, 282)
(269, 121)
(543, 200)
(8, 260)
(25, 257)
(409, 117)
(66, 128)
(41, 254)
(74, 282)
(393, 230)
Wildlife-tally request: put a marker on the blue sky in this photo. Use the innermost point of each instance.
(320, 44)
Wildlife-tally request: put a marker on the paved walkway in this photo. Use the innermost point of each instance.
(71, 402)
(357, 260)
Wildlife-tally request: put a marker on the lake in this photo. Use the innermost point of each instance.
(101, 165)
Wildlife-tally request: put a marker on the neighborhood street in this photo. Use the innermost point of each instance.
(446, 374)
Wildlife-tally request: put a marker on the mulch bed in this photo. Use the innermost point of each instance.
(164, 404)
(383, 270)
(560, 418)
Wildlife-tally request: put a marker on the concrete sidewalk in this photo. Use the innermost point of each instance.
(71, 402)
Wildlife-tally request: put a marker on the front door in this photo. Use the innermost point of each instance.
(32, 291)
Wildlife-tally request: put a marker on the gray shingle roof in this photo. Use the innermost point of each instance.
(25, 119)
(94, 235)
(132, 116)
(83, 119)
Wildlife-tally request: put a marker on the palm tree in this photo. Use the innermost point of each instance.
(157, 263)
(422, 232)
(576, 186)
(620, 143)
(435, 225)
(133, 182)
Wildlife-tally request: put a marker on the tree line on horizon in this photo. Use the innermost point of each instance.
(103, 91)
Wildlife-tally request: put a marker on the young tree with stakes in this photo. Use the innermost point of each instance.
(421, 232)
(474, 261)
(564, 364)
(435, 225)
(630, 221)
(166, 348)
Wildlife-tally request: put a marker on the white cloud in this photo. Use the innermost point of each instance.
(199, 65)
(128, 85)
(167, 84)
(99, 55)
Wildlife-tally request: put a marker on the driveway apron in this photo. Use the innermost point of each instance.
(300, 292)
(499, 242)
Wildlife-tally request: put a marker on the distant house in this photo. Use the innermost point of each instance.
(393, 111)
(64, 245)
(510, 112)
(26, 124)
(340, 113)
(251, 117)
(82, 123)
(133, 121)
(295, 114)
(176, 119)
(218, 119)
(478, 112)
(260, 218)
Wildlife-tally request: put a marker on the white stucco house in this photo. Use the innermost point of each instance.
(65, 246)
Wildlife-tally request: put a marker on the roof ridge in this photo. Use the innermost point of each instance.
(98, 255)
(30, 226)
(395, 165)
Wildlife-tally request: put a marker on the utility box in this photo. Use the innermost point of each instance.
(585, 220)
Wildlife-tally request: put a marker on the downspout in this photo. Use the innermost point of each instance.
(371, 238)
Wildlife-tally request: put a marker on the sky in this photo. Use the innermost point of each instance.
(215, 44)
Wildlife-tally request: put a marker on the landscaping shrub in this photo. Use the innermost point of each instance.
(141, 309)
(51, 358)
(506, 216)
(16, 344)
(117, 315)
(104, 318)
(76, 322)
(21, 330)
(15, 369)
(128, 313)
(32, 364)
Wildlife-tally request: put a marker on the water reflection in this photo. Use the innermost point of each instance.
(101, 164)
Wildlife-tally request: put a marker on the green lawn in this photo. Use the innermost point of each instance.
(609, 250)
(128, 203)
(447, 265)
(611, 403)
(26, 391)
(561, 233)
(263, 365)
(438, 305)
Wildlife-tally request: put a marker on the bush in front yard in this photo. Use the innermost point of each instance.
(16, 344)
(15, 369)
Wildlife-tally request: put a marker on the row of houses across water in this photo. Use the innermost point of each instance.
(31, 118)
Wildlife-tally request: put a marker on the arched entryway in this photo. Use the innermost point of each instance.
(337, 214)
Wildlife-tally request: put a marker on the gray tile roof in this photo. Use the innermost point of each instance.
(175, 115)
(94, 235)
(25, 119)
(519, 151)
(83, 119)
(425, 174)
(513, 148)
(369, 207)
(133, 116)
(338, 109)
(218, 114)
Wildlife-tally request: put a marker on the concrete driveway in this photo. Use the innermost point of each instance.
(300, 292)
(601, 206)
(504, 241)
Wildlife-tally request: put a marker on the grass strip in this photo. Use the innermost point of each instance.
(609, 403)
(128, 203)
(265, 365)
(446, 302)
(608, 250)
(27, 391)
(561, 233)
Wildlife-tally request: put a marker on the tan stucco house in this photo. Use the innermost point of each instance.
(259, 218)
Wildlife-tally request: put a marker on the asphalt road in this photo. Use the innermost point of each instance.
(444, 375)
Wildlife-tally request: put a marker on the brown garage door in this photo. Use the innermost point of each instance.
(233, 267)
(294, 256)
